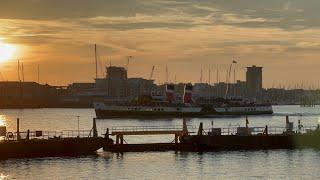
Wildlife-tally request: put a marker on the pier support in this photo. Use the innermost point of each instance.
(176, 137)
(94, 128)
(266, 131)
(121, 139)
(200, 131)
(117, 139)
(184, 127)
(28, 135)
(107, 134)
(18, 129)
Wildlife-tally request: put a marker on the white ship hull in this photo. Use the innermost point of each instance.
(105, 111)
(241, 110)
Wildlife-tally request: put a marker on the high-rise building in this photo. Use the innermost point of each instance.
(254, 82)
(117, 82)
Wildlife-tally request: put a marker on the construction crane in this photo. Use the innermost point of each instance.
(151, 74)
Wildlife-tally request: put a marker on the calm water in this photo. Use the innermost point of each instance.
(273, 164)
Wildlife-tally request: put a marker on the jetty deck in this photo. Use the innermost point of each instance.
(120, 132)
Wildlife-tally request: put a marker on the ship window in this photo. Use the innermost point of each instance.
(178, 109)
(154, 109)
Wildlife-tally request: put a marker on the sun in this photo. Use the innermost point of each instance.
(6, 51)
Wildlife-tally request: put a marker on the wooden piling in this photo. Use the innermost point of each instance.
(18, 129)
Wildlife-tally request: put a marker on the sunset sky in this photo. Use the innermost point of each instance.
(59, 35)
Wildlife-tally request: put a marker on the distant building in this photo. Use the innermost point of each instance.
(27, 94)
(220, 89)
(158, 92)
(139, 86)
(81, 88)
(116, 82)
(114, 85)
(203, 90)
(254, 82)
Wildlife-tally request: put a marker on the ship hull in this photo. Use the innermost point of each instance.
(258, 110)
(50, 147)
(103, 111)
(103, 114)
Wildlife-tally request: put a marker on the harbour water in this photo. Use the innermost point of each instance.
(268, 164)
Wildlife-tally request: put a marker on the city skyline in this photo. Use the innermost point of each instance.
(186, 36)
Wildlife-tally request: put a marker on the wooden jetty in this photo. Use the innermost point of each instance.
(120, 144)
(216, 139)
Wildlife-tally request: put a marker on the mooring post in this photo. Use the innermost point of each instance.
(95, 132)
(200, 131)
(266, 130)
(117, 139)
(107, 134)
(18, 129)
(176, 138)
(28, 135)
(121, 139)
(184, 128)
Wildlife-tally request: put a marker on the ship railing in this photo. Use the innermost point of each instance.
(147, 128)
(48, 134)
(261, 130)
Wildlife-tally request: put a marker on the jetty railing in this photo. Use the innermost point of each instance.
(148, 128)
(49, 134)
(261, 130)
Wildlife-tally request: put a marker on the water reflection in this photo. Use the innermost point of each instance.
(2, 176)
(3, 120)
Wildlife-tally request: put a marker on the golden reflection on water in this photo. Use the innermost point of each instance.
(2, 176)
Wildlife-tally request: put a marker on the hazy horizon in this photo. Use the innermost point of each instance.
(187, 36)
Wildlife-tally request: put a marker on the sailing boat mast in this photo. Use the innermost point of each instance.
(22, 72)
(19, 70)
(96, 60)
(38, 73)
